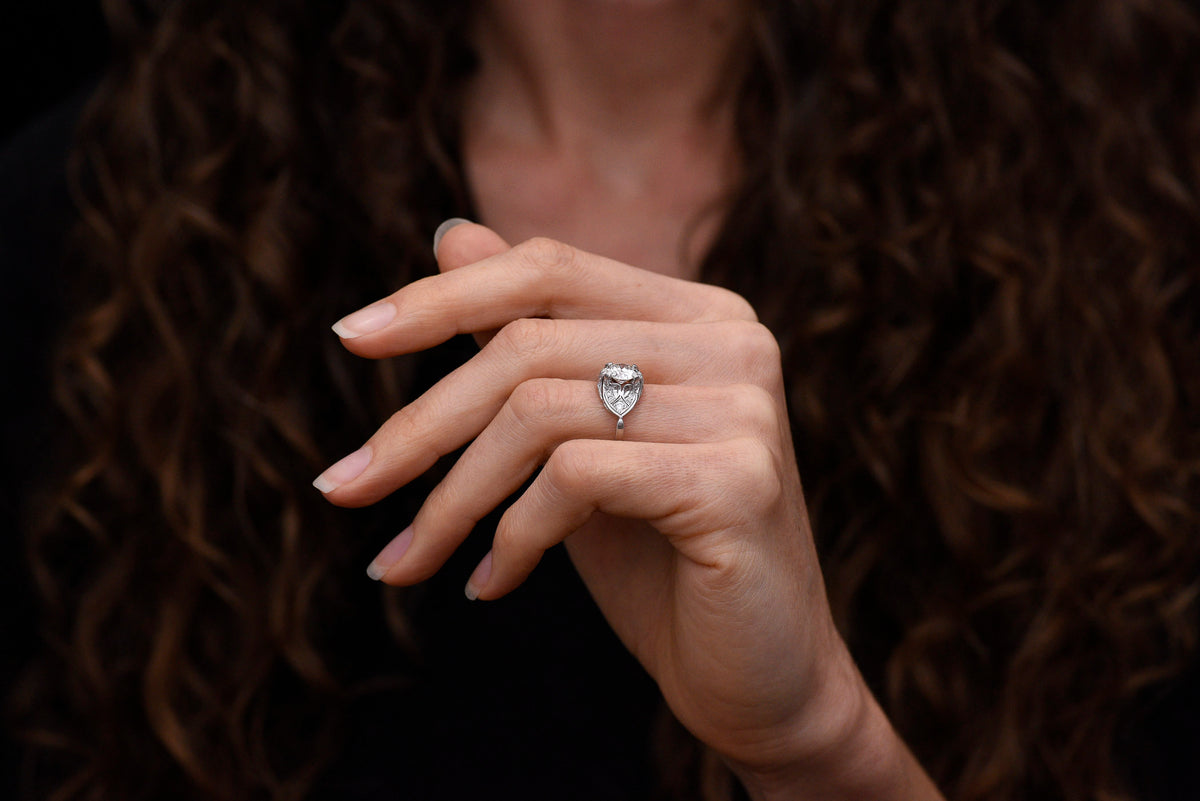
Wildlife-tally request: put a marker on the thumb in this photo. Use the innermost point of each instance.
(458, 242)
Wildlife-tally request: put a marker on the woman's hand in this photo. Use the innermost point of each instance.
(690, 533)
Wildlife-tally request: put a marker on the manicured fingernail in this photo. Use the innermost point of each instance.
(346, 469)
(364, 321)
(442, 229)
(479, 578)
(390, 554)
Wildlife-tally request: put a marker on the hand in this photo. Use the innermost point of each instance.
(691, 533)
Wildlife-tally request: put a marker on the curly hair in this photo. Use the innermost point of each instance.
(973, 227)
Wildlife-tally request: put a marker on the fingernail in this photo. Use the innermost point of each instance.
(364, 321)
(442, 229)
(346, 469)
(390, 554)
(479, 578)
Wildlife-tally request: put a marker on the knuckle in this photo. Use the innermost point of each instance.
(755, 345)
(538, 399)
(733, 306)
(758, 340)
(419, 294)
(572, 467)
(756, 467)
(527, 336)
(506, 540)
(547, 255)
(755, 408)
(515, 553)
(400, 427)
(442, 511)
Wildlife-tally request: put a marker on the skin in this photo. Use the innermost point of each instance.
(609, 125)
(691, 533)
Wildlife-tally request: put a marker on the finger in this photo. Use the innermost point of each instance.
(471, 244)
(458, 242)
(537, 278)
(702, 497)
(538, 417)
(459, 406)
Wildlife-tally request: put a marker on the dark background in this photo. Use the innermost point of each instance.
(48, 49)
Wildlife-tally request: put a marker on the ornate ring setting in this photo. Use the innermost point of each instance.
(620, 386)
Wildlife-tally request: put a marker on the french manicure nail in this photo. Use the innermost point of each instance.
(344, 470)
(479, 578)
(442, 229)
(366, 320)
(390, 554)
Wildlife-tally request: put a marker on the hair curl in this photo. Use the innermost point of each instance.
(973, 227)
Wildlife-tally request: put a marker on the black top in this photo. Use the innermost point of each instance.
(529, 697)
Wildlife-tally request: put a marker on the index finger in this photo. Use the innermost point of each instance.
(537, 278)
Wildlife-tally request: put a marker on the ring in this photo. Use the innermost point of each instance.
(620, 386)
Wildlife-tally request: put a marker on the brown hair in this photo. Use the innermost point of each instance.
(973, 227)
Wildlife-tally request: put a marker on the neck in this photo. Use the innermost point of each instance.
(598, 74)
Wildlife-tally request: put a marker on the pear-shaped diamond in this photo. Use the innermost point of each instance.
(620, 386)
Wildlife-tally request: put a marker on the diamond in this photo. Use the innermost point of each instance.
(620, 386)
